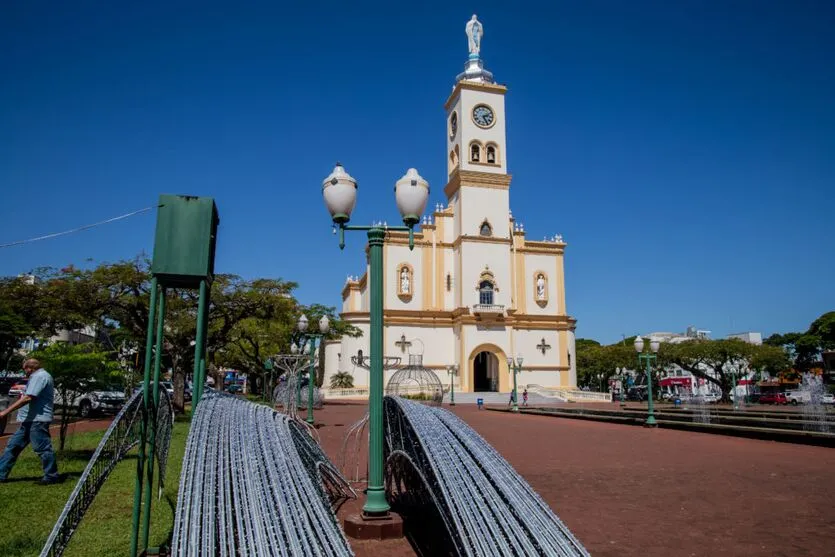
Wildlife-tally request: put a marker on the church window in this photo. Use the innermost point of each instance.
(475, 152)
(486, 229)
(485, 292)
(491, 154)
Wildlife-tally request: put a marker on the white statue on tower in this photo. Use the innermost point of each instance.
(474, 33)
(405, 283)
(540, 287)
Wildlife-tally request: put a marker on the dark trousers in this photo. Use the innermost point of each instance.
(36, 433)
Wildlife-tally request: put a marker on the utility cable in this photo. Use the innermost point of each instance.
(79, 229)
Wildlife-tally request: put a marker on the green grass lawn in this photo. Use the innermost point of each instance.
(28, 512)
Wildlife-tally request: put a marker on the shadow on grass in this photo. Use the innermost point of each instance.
(75, 454)
(20, 543)
(61, 479)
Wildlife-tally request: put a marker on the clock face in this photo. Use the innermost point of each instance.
(483, 116)
(453, 125)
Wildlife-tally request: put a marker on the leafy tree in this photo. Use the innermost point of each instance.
(714, 361)
(594, 360)
(769, 359)
(73, 370)
(20, 316)
(342, 380)
(823, 328)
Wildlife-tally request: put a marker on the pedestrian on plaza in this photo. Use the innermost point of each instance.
(525, 397)
(509, 402)
(34, 417)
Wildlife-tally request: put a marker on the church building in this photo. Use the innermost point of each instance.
(474, 291)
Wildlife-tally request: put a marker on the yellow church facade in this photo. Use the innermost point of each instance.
(474, 291)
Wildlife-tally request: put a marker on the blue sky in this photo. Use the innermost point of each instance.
(685, 150)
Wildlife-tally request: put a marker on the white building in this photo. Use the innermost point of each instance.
(475, 290)
(749, 337)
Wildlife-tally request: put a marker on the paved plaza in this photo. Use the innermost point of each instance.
(630, 491)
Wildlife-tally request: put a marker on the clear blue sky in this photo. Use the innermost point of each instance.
(685, 150)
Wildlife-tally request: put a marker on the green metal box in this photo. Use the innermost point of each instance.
(184, 246)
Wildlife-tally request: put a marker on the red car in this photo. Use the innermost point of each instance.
(773, 398)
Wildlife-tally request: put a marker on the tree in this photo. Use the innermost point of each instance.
(714, 361)
(594, 360)
(804, 349)
(823, 328)
(769, 359)
(20, 317)
(73, 370)
(342, 380)
(249, 320)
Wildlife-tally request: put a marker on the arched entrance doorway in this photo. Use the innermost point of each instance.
(485, 372)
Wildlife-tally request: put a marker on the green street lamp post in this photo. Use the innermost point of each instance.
(268, 367)
(649, 357)
(411, 192)
(295, 349)
(621, 373)
(308, 339)
(515, 367)
(452, 370)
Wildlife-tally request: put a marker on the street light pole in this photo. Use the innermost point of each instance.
(622, 377)
(452, 370)
(649, 357)
(339, 190)
(309, 339)
(515, 367)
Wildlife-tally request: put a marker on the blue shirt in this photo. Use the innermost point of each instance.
(42, 391)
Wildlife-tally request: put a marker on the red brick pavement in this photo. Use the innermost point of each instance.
(629, 491)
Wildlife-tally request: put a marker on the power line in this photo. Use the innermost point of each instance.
(79, 229)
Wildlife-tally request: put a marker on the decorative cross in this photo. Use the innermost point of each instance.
(543, 347)
(403, 343)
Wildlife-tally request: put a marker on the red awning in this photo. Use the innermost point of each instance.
(671, 381)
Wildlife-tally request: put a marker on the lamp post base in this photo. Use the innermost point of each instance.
(361, 527)
(651, 422)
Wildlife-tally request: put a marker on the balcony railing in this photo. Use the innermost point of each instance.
(488, 308)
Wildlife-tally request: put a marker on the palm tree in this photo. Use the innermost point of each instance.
(342, 380)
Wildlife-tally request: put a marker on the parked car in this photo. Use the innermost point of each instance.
(97, 398)
(773, 398)
(18, 388)
(828, 398)
(711, 398)
(798, 397)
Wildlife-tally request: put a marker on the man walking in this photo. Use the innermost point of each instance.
(35, 416)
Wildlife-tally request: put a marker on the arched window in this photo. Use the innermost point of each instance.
(475, 152)
(491, 154)
(485, 292)
(486, 229)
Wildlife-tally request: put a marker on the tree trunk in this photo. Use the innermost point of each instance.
(178, 378)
